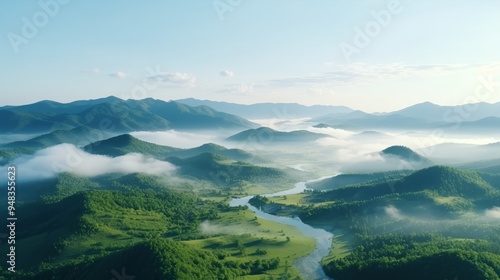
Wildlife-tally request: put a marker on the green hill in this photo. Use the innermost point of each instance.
(234, 154)
(77, 136)
(116, 115)
(182, 116)
(225, 172)
(154, 259)
(418, 257)
(439, 192)
(405, 153)
(268, 135)
(445, 181)
(48, 106)
(442, 180)
(30, 122)
(344, 180)
(126, 143)
(88, 228)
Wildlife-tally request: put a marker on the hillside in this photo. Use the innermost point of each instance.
(267, 135)
(268, 110)
(405, 153)
(446, 181)
(234, 154)
(394, 256)
(77, 136)
(343, 180)
(222, 171)
(48, 106)
(116, 115)
(79, 228)
(431, 112)
(154, 259)
(126, 143)
(442, 180)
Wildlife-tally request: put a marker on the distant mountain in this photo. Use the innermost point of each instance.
(268, 135)
(476, 118)
(371, 135)
(48, 106)
(460, 155)
(116, 115)
(489, 166)
(436, 113)
(334, 117)
(76, 136)
(489, 125)
(323, 125)
(268, 110)
(234, 154)
(126, 143)
(225, 172)
(405, 153)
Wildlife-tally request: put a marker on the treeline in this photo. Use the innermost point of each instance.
(153, 259)
(258, 201)
(418, 256)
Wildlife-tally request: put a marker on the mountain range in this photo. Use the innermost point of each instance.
(471, 118)
(265, 135)
(268, 110)
(115, 115)
(123, 144)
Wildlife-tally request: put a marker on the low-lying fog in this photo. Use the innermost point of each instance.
(47, 163)
(342, 152)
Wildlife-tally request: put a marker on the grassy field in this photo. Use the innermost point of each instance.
(256, 236)
(294, 199)
(341, 246)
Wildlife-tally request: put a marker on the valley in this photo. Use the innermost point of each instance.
(294, 200)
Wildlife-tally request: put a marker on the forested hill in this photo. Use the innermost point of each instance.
(265, 135)
(126, 143)
(116, 115)
(225, 172)
(406, 154)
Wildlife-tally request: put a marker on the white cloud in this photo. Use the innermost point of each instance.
(49, 162)
(364, 73)
(176, 139)
(227, 73)
(176, 78)
(393, 212)
(493, 213)
(238, 88)
(119, 75)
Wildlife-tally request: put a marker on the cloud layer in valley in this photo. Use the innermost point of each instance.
(49, 162)
(175, 138)
(493, 213)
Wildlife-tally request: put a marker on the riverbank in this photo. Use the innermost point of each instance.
(310, 266)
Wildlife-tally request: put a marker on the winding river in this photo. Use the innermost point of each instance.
(310, 265)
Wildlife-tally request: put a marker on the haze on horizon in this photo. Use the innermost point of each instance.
(373, 56)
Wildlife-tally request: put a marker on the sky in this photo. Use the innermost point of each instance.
(369, 55)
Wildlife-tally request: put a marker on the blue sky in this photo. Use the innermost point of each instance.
(369, 55)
